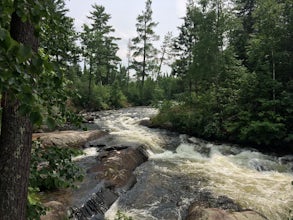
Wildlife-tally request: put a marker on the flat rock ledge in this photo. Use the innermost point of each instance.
(73, 139)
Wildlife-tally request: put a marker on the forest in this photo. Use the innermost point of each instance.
(230, 79)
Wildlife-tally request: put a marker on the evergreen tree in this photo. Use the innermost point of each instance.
(166, 52)
(144, 52)
(241, 36)
(99, 49)
(183, 45)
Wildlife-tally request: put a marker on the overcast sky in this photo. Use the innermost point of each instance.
(124, 13)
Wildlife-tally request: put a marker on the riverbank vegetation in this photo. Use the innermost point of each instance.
(230, 73)
(226, 76)
(237, 74)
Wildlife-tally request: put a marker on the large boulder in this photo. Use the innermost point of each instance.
(116, 166)
(199, 213)
(75, 139)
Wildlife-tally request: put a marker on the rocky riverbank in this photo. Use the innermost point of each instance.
(110, 172)
(147, 173)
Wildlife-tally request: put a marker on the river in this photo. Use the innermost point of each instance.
(181, 169)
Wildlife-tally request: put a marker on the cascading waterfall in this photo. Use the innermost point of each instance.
(181, 169)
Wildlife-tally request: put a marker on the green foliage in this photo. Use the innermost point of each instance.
(35, 209)
(98, 100)
(52, 167)
(37, 84)
(117, 98)
(224, 99)
(154, 91)
(121, 216)
(31, 76)
(100, 60)
(132, 93)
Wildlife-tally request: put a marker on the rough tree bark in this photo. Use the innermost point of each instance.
(15, 140)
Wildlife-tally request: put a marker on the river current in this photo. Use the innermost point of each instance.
(181, 168)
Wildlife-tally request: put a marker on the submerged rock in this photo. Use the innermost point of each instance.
(198, 213)
(208, 207)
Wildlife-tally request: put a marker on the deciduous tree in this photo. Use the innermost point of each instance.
(16, 129)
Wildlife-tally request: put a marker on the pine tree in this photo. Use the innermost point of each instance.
(166, 52)
(183, 44)
(99, 49)
(144, 52)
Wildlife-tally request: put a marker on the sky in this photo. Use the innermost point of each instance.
(168, 13)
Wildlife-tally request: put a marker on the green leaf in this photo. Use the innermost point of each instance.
(24, 53)
(24, 109)
(5, 39)
(3, 34)
(17, 68)
(37, 63)
(36, 117)
(28, 98)
(51, 123)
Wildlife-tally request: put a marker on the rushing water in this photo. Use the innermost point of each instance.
(181, 169)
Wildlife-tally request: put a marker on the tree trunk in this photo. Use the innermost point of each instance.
(89, 104)
(144, 56)
(161, 62)
(274, 74)
(15, 140)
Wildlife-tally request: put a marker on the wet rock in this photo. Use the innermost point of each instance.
(208, 207)
(114, 172)
(76, 139)
(112, 148)
(207, 200)
(286, 159)
(96, 205)
(88, 119)
(116, 166)
(198, 213)
(57, 211)
(145, 122)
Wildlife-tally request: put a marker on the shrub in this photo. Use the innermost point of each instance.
(53, 168)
